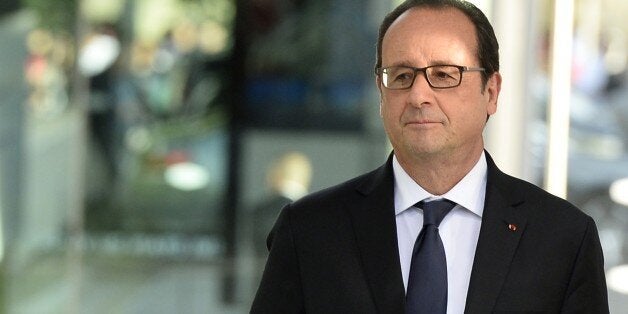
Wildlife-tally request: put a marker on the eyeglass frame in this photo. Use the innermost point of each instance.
(461, 69)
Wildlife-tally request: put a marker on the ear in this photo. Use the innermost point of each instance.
(493, 87)
(378, 82)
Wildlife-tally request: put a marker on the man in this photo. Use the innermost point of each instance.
(508, 245)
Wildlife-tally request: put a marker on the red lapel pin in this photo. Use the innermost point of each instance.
(512, 227)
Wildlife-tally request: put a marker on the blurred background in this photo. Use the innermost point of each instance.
(148, 145)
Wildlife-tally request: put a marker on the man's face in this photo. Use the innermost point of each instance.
(422, 121)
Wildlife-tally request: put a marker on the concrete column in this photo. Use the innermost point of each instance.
(560, 98)
(505, 134)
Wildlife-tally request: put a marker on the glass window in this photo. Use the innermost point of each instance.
(598, 155)
(147, 145)
(597, 151)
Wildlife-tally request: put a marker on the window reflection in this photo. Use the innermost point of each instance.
(132, 199)
(599, 154)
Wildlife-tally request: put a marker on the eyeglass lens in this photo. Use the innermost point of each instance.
(440, 76)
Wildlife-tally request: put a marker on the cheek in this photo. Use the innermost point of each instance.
(384, 107)
(392, 111)
(389, 114)
(468, 113)
(391, 104)
(384, 112)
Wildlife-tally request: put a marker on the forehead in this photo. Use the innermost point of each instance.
(431, 35)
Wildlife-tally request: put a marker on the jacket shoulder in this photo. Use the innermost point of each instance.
(341, 192)
(541, 203)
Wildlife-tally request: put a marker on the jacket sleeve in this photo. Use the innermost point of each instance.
(587, 292)
(280, 288)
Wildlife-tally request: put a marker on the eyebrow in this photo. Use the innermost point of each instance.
(406, 63)
(442, 62)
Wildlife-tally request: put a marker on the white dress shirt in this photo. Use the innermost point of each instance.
(459, 230)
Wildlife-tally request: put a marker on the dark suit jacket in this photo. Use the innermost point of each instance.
(335, 251)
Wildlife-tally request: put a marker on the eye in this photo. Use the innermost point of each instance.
(400, 74)
(398, 77)
(403, 77)
(444, 76)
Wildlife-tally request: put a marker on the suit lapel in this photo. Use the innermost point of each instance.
(502, 227)
(376, 236)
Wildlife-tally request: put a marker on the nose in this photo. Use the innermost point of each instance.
(420, 92)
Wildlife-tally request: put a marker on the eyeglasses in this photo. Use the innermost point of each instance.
(437, 76)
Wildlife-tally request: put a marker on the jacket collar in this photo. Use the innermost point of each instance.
(502, 227)
(373, 216)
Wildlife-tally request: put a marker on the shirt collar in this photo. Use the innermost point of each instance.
(468, 193)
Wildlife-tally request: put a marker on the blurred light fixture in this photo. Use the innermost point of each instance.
(187, 176)
(617, 278)
(98, 54)
(618, 192)
(138, 139)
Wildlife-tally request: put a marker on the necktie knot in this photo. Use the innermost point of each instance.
(435, 211)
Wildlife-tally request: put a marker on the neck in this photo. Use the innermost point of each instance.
(438, 174)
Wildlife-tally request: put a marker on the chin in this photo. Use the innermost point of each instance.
(423, 150)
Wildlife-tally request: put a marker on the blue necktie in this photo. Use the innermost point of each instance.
(427, 283)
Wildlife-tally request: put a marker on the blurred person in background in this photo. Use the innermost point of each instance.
(97, 61)
(288, 179)
(438, 228)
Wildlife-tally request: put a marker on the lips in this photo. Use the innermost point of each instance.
(423, 122)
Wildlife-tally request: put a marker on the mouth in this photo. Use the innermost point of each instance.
(423, 122)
